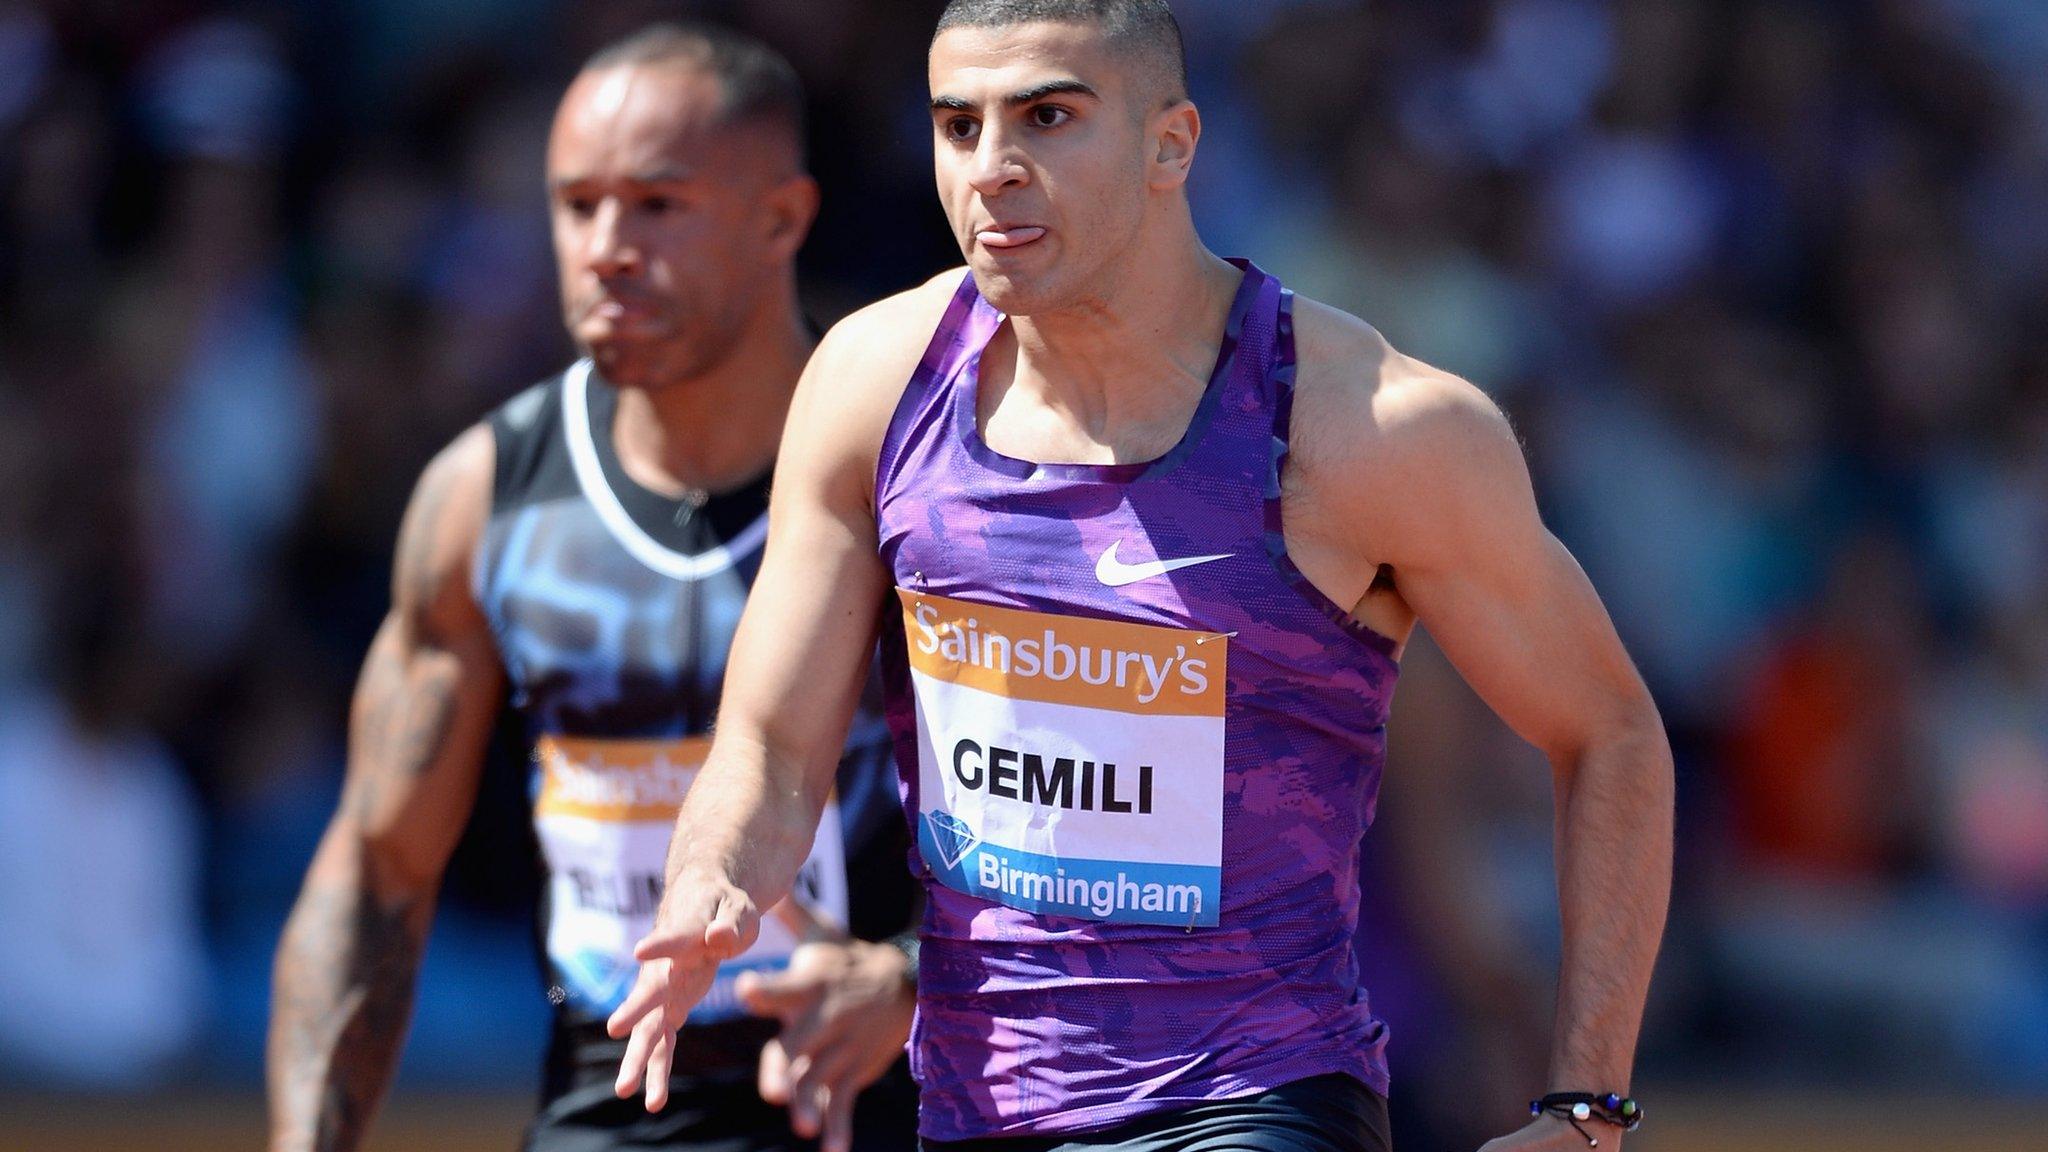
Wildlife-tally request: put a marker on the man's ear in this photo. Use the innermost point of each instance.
(1175, 131)
(791, 207)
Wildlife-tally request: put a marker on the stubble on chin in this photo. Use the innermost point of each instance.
(648, 365)
(1019, 296)
(621, 365)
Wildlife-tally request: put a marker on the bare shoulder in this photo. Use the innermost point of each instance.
(875, 350)
(893, 331)
(1359, 392)
(851, 386)
(444, 523)
(1383, 439)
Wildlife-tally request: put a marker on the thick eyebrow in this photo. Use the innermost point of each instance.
(1030, 95)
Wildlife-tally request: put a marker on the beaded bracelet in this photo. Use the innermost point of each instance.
(1575, 1107)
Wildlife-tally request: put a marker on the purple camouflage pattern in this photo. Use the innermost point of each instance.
(1032, 1023)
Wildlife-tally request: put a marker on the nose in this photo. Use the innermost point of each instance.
(611, 251)
(997, 165)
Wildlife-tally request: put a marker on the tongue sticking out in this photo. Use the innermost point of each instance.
(1008, 237)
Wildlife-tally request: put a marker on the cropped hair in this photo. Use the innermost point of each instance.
(758, 82)
(1146, 27)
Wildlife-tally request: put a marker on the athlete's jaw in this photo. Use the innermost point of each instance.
(633, 340)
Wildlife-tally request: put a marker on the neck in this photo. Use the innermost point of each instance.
(716, 431)
(1139, 345)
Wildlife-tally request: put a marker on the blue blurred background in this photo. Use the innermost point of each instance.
(1763, 285)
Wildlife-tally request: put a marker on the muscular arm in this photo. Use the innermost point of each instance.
(424, 705)
(792, 681)
(1418, 471)
(801, 653)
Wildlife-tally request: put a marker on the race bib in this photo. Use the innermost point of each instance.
(1069, 766)
(604, 815)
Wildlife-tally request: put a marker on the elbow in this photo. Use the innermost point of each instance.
(1626, 746)
(1651, 770)
(1638, 726)
(385, 864)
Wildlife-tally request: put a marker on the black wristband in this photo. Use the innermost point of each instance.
(906, 943)
(1575, 1108)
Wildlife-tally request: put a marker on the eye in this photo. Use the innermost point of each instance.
(961, 128)
(579, 206)
(658, 205)
(1048, 116)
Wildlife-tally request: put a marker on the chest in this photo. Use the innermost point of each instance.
(1160, 553)
(1141, 424)
(586, 629)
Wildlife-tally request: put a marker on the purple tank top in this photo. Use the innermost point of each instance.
(1139, 751)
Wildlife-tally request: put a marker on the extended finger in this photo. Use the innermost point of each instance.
(658, 1070)
(647, 992)
(815, 1077)
(803, 1110)
(773, 1079)
(634, 1063)
(838, 1135)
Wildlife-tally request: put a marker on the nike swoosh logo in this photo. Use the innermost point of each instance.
(1115, 573)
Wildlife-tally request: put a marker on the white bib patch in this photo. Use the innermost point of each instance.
(1067, 765)
(604, 816)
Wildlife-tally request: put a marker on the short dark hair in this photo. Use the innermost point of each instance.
(1146, 25)
(758, 81)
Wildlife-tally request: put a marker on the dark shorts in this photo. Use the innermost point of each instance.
(1332, 1113)
(719, 1112)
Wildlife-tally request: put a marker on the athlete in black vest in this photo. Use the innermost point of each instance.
(587, 550)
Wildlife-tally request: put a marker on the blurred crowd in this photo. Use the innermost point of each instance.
(1763, 285)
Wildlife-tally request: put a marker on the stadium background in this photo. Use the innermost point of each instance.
(1761, 283)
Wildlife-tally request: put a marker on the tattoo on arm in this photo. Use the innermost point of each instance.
(349, 959)
(346, 968)
(405, 730)
(344, 994)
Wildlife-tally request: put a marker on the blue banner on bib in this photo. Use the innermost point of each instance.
(1118, 891)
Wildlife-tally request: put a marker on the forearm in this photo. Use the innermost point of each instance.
(749, 819)
(341, 997)
(1614, 835)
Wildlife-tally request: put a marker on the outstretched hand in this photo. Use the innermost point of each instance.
(702, 923)
(845, 1010)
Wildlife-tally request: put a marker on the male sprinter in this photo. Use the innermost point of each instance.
(589, 547)
(1145, 535)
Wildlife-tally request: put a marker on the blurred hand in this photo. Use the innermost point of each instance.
(1549, 1134)
(845, 1010)
(703, 922)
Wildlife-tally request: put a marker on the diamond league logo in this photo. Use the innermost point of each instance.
(952, 835)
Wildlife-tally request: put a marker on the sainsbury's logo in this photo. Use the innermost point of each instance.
(1066, 659)
(617, 779)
